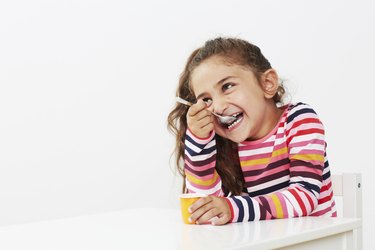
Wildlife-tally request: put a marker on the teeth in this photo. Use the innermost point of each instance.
(234, 123)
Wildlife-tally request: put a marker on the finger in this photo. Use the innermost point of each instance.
(196, 108)
(204, 114)
(208, 215)
(199, 203)
(220, 220)
(201, 128)
(200, 211)
(208, 127)
(205, 121)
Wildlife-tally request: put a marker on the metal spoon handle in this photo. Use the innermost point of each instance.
(182, 101)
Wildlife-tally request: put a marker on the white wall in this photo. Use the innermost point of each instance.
(85, 88)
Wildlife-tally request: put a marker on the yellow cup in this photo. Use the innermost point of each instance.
(186, 200)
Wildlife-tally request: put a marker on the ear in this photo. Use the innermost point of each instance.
(270, 83)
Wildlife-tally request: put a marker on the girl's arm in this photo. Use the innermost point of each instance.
(199, 165)
(306, 146)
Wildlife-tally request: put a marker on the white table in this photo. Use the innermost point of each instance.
(152, 228)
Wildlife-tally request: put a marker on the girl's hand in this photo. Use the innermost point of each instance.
(200, 120)
(210, 209)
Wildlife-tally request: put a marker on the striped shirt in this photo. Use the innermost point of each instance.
(286, 173)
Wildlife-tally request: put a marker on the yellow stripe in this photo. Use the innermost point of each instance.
(266, 160)
(280, 151)
(255, 162)
(279, 209)
(308, 157)
(197, 181)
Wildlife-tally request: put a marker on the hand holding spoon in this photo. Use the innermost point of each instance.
(222, 119)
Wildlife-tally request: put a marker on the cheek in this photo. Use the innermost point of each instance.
(218, 128)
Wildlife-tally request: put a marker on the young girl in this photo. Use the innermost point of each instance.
(269, 163)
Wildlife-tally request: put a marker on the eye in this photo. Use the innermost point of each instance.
(227, 86)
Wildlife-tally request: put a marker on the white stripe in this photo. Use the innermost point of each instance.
(308, 180)
(245, 208)
(326, 170)
(256, 151)
(308, 137)
(210, 191)
(192, 146)
(306, 201)
(235, 210)
(210, 144)
(271, 138)
(199, 157)
(289, 208)
(293, 202)
(326, 193)
(196, 149)
(323, 206)
(280, 141)
(256, 210)
(309, 146)
(268, 184)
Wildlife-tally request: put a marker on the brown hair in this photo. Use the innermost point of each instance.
(233, 51)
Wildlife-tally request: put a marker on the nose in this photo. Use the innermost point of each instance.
(219, 106)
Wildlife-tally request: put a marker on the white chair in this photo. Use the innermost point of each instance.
(348, 187)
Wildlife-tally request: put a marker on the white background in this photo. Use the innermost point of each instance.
(86, 87)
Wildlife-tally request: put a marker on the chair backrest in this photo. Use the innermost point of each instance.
(348, 187)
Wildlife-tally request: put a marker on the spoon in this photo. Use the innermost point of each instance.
(222, 119)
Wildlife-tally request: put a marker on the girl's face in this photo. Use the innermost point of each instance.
(234, 90)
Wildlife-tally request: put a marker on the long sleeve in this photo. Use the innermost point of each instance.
(284, 173)
(199, 165)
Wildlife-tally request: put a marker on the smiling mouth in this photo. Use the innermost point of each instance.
(238, 117)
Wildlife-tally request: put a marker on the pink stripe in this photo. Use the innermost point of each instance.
(304, 143)
(315, 162)
(256, 156)
(205, 187)
(210, 165)
(311, 151)
(283, 205)
(267, 173)
(305, 169)
(253, 167)
(321, 212)
(268, 216)
(280, 146)
(280, 135)
(271, 204)
(244, 147)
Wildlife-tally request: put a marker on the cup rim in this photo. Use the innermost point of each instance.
(192, 195)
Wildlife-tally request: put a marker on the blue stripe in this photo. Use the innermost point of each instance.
(270, 189)
(202, 152)
(240, 208)
(251, 207)
(192, 141)
(307, 186)
(300, 112)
